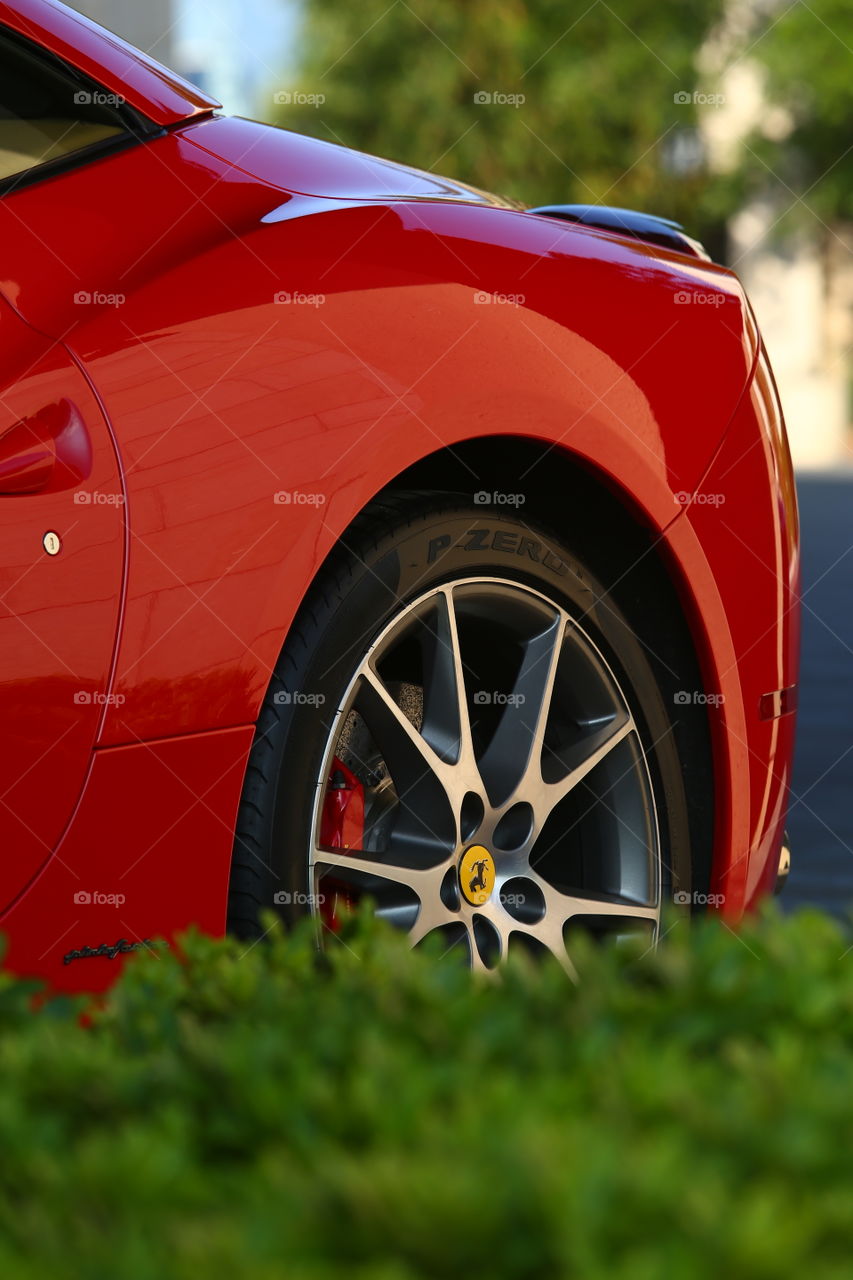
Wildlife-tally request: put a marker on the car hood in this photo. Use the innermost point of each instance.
(306, 166)
(317, 176)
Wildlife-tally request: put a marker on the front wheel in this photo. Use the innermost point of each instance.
(463, 729)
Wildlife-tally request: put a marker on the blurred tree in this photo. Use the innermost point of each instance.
(799, 161)
(531, 98)
(804, 142)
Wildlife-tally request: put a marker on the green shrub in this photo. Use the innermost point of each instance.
(372, 1113)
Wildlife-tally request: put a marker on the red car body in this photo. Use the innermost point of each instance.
(160, 319)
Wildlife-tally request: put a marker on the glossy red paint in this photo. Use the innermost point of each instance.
(745, 518)
(370, 353)
(58, 613)
(273, 329)
(307, 166)
(148, 852)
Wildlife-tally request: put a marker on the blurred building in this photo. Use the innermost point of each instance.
(802, 293)
(800, 284)
(150, 26)
(241, 51)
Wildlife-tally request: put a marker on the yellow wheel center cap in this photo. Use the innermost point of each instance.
(476, 874)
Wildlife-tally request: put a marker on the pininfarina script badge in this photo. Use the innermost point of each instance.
(111, 950)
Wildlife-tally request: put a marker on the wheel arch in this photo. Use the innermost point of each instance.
(627, 554)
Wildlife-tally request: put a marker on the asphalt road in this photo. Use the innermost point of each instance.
(821, 813)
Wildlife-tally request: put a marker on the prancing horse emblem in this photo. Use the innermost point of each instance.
(478, 880)
(476, 874)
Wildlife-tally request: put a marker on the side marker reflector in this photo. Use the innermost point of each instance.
(771, 705)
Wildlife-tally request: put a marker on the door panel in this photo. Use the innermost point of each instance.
(59, 594)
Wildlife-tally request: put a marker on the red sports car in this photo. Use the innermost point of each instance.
(365, 535)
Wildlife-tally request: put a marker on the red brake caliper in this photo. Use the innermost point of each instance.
(341, 827)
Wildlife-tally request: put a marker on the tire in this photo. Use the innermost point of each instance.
(371, 652)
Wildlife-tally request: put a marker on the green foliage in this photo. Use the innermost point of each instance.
(598, 118)
(806, 51)
(373, 1113)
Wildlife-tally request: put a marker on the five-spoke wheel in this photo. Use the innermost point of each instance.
(507, 798)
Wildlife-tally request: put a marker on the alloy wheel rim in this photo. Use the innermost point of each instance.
(508, 799)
